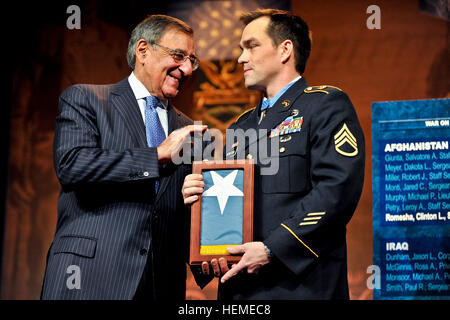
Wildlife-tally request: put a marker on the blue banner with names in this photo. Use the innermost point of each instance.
(411, 198)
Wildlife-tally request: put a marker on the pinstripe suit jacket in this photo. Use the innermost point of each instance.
(109, 217)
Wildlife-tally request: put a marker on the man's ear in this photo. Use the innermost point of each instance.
(287, 50)
(142, 48)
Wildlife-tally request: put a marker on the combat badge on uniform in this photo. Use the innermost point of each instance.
(345, 142)
(289, 125)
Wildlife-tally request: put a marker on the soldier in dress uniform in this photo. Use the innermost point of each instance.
(301, 211)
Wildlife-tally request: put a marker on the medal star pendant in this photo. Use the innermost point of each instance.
(263, 114)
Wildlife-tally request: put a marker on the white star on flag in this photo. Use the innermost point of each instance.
(223, 188)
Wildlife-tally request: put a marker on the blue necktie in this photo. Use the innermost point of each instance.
(153, 128)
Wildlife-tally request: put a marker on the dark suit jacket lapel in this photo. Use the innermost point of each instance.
(123, 99)
(173, 116)
(173, 124)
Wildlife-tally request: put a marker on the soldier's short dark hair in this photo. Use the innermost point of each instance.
(284, 25)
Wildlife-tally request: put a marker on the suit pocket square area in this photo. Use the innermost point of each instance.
(79, 245)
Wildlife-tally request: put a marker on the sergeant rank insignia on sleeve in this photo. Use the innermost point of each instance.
(345, 142)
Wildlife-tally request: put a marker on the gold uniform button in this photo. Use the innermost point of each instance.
(282, 149)
(249, 156)
(286, 103)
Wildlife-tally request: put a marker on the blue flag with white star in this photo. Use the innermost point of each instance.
(222, 210)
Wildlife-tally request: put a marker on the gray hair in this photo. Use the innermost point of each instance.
(151, 29)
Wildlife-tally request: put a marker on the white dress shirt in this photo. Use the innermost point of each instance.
(140, 92)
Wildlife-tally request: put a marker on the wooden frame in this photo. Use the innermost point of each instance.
(247, 231)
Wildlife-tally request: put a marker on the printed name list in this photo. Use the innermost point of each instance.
(416, 267)
(415, 182)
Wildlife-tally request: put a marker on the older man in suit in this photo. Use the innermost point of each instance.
(121, 229)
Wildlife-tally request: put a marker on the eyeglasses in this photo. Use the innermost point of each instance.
(181, 57)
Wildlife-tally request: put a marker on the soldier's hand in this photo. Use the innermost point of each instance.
(219, 267)
(193, 186)
(254, 257)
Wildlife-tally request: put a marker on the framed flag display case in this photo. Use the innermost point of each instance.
(223, 216)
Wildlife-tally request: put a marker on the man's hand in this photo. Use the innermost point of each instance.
(192, 187)
(219, 267)
(173, 143)
(255, 256)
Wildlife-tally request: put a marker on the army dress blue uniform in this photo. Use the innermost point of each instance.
(301, 211)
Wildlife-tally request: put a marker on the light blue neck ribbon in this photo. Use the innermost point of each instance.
(268, 103)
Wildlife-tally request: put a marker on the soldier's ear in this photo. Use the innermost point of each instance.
(286, 50)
